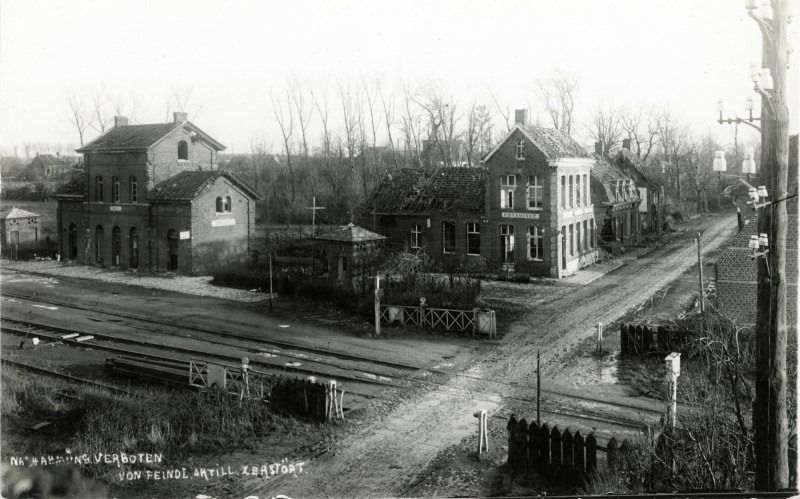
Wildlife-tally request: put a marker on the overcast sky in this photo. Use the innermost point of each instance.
(678, 54)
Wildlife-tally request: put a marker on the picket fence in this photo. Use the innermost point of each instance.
(560, 456)
(472, 321)
(640, 340)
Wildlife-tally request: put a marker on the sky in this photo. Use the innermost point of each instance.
(681, 55)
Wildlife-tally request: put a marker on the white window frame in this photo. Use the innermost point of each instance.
(535, 240)
(507, 232)
(535, 194)
(115, 189)
(578, 190)
(416, 236)
(519, 149)
(474, 229)
(508, 184)
(444, 238)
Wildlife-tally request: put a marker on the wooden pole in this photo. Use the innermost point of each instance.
(270, 281)
(538, 389)
(702, 289)
(314, 209)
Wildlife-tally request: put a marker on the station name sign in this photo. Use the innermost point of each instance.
(511, 214)
(223, 222)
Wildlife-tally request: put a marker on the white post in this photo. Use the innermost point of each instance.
(599, 348)
(673, 364)
(377, 305)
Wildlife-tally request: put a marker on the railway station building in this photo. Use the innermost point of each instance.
(151, 198)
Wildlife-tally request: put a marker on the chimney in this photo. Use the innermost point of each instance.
(120, 121)
(626, 144)
(598, 148)
(520, 116)
(180, 117)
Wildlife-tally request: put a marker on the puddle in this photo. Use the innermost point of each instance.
(283, 325)
(293, 364)
(268, 355)
(46, 307)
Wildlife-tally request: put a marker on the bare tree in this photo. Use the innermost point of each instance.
(440, 111)
(304, 113)
(123, 107)
(479, 132)
(606, 127)
(182, 100)
(79, 115)
(557, 94)
(388, 115)
(675, 142)
(350, 116)
(285, 119)
(412, 129)
(504, 112)
(641, 127)
(100, 105)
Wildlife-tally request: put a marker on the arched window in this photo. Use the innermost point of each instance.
(228, 204)
(116, 246)
(133, 252)
(220, 208)
(183, 150)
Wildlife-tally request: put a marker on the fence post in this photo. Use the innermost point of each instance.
(568, 459)
(555, 452)
(474, 321)
(422, 311)
(611, 454)
(511, 427)
(544, 450)
(533, 446)
(578, 447)
(591, 455)
(623, 339)
(647, 339)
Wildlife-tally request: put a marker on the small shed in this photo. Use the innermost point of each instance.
(19, 230)
(351, 252)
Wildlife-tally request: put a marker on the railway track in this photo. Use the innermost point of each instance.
(110, 343)
(68, 377)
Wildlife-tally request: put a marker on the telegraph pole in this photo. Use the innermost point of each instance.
(769, 411)
(702, 290)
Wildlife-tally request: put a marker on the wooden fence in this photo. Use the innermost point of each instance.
(472, 321)
(640, 340)
(561, 456)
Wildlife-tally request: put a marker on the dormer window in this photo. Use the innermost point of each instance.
(183, 150)
(520, 150)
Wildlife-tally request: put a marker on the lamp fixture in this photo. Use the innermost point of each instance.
(720, 165)
(765, 81)
(748, 164)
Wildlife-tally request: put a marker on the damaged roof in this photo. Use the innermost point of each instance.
(415, 190)
(554, 144)
(75, 188)
(350, 233)
(608, 174)
(187, 185)
(626, 155)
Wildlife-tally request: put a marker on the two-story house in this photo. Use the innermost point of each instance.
(151, 198)
(538, 201)
(652, 210)
(616, 200)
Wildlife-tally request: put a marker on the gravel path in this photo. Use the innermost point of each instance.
(200, 285)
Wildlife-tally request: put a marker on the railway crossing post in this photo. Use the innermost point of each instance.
(599, 346)
(483, 432)
(245, 380)
(673, 363)
(378, 293)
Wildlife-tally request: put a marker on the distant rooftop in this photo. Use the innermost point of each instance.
(15, 212)
(350, 234)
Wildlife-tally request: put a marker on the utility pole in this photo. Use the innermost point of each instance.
(314, 209)
(702, 290)
(270, 281)
(769, 411)
(538, 390)
(378, 293)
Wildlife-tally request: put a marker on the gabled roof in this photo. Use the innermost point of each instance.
(608, 174)
(50, 160)
(75, 188)
(350, 234)
(133, 137)
(187, 185)
(15, 212)
(414, 190)
(554, 144)
(625, 155)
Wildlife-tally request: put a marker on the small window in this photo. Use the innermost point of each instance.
(115, 189)
(577, 190)
(473, 239)
(520, 150)
(219, 207)
(416, 237)
(535, 243)
(578, 237)
(571, 200)
(571, 240)
(227, 204)
(448, 237)
(183, 150)
(534, 193)
(586, 190)
(563, 192)
(98, 189)
(591, 226)
(508, 184)
(133, 188)
(585, 236)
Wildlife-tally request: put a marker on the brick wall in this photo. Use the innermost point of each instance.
(164, 160)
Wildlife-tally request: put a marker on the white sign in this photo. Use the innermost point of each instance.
(115, 208)
(643, 195)
(185, 234)
(510, 214)
(223, 222)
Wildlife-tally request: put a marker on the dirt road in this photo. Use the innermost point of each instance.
(385, 458)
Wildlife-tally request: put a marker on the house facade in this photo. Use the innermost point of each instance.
(19, 230)
(528, 209)
(151, 199)
(616, 200)
(49, 167)
(652, 210)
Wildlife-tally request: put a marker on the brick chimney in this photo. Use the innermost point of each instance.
(120, 121)
(626, 144)
(598, 148)
(520, 116)
(180, 117)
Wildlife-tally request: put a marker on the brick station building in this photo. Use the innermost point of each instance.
(151, 198)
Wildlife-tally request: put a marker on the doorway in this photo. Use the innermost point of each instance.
(73, 241)
(133, 257)
(172, 244)
(116, 246)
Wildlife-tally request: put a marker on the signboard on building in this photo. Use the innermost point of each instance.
(223, 222)
(115, 208)
(185, 234)
(511, 214)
